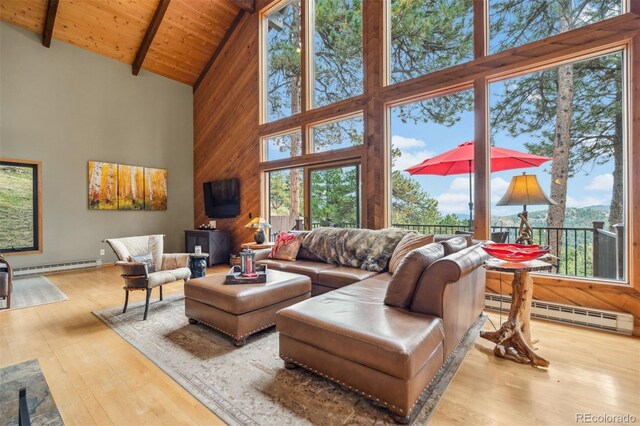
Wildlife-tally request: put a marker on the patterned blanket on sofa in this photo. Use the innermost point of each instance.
(357, 248)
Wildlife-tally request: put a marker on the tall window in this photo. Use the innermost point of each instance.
(431, 200)
(20, 206)
(283, 91)
(428, 36)
(335, 197)
(337, 50)
(286, 198)
(572, 114)
(341, 133)
(515, 22)
(286, 145)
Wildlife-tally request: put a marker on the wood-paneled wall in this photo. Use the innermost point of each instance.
(227, 131)
(226, 127)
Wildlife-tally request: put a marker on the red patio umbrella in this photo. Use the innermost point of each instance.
(460, 160)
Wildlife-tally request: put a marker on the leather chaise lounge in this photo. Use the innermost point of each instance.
(384, 335)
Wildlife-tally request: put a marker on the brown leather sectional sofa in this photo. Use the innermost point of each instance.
(390, 354)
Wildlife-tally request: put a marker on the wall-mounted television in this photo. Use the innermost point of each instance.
(222, 198)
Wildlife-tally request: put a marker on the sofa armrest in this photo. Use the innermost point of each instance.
(428, 297)
(262, 254)
(453, 288)
(172, 261)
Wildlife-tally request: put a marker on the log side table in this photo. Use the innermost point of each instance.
(513, 338)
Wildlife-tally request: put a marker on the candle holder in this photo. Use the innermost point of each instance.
(247, 262)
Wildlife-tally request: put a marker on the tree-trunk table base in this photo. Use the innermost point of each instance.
(513, 338)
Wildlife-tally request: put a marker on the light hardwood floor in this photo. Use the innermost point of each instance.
(98, 378)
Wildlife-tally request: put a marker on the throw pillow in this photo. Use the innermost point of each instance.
(408, 243)
(404, 281)
(286, 246)
(454, 245)
(144, 258)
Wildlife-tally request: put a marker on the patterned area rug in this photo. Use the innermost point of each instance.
(42, 407)
(33, 291)
(249, 385)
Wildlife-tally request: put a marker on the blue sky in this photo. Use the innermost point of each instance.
(424, 140)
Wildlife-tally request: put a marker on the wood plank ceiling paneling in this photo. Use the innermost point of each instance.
(187, 37)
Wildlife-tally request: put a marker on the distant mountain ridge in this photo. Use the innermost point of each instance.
(575, 217)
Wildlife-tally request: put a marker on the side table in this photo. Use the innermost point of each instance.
(513, 338)
(198, 264)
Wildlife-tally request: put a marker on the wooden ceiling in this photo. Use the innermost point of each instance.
(177, 39)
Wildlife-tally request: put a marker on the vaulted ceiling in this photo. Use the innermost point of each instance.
(173, 38)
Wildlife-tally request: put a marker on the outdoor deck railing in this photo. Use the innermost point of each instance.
(576, 256)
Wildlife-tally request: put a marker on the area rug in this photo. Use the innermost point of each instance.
(33, 291)
(249, 385)
(42, 407)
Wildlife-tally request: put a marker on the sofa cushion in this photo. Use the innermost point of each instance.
(342, 276)
(353, 323)
(404, 280)
(273, 263)
(454, 245)
(408, 243)
(357, 248)
(307, 267)
(286, 247)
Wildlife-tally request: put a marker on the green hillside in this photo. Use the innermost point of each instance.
(582, 217)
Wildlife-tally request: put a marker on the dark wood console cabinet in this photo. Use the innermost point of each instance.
(216, 243)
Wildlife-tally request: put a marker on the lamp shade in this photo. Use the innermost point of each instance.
(524, 190)
(258, 222)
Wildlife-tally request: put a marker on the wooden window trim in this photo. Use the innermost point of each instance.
(39, 230)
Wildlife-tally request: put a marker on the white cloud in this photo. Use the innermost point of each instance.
(405, 143)
(453, 202)
(600, 183)
(408, 159)
(586, 201)
(498, 188)
(456, 200)
(461, 184)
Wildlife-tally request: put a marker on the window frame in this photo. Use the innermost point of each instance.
(36, 166)
(616, 33)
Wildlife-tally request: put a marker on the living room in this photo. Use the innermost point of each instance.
(376, 147)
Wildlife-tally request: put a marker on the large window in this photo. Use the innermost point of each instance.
(573, 115)
(428, 36)
(335, 196)
(516, 22)
(341, 133)
(433, 200)
(286, 199)
(337, 50)
(282, 146)
(283, 79)
(20, 206)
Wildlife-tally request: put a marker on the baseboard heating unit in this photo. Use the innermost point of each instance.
(56, 267)
(618, 322)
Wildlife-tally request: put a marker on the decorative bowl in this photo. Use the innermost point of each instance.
(515, 252)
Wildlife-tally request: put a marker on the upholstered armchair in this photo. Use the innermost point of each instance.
(145, 266)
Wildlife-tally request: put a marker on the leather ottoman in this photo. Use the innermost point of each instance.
(240, 310)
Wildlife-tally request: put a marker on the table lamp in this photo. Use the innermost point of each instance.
(259, 224)
(524, 190)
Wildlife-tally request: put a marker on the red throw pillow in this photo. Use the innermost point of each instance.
(286, 247)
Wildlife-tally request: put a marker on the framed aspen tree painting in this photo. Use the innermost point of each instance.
(155, 189)
(103, 186)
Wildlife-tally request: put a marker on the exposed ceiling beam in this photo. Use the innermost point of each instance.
(49, 22)
(246, 5)
(221, 45)
(149, 35)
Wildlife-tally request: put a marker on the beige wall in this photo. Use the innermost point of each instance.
(65, 106)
